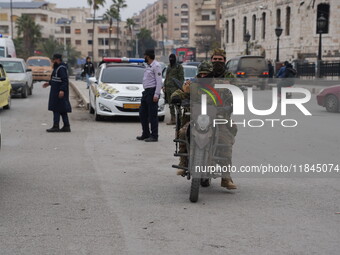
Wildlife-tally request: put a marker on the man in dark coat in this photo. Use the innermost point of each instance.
(59, 102)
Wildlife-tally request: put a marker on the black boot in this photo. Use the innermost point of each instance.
(65, 129)
(53, 129)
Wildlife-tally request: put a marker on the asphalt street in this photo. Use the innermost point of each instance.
(97, 190)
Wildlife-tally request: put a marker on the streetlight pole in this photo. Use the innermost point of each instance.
(321, 25)
(11, 7)
(247, 39)
(278, 32)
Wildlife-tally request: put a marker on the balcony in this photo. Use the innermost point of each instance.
(205, 22)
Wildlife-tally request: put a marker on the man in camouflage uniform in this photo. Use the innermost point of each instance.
(226, 133)
(174, 71)
(203, 70)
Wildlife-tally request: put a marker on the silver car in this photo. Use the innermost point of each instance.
(20, 77)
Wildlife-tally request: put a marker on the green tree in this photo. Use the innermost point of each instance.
(161, 20)
(145, 40)
(118, 5)
(95, 4)
(50, 46)
(30, 32)
(130, 23)
(109, 15)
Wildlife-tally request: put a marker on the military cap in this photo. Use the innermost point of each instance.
(219, 52)
(205, 67)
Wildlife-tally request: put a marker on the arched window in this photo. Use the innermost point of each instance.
(244, 25)
(288, 14)
(323, 9)
(233, 31)
(278, 18)
(184, 6)
(227, 31)
(254, 27)
(264, 17)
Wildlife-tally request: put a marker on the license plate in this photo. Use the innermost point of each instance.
(131, 106)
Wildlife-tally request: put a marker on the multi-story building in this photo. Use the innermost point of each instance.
(297, 18)
(176, 29)
(71, 26)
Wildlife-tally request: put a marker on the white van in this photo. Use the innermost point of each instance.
(7, 48)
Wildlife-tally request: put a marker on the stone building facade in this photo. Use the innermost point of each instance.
(297, 18)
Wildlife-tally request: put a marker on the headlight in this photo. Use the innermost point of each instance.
(105, 94)
(203, 122)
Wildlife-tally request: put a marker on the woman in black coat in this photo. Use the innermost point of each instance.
(59, 102)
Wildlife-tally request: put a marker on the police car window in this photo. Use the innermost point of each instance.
(98, 72)
(121, 74)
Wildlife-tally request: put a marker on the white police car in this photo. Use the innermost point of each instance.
(116, 89)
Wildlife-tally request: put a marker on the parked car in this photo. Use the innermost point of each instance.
(5, 89)
(189, 72)
(19, 75)
(116, 90)
(41, 68)
(251, 70)
(330, 98)
(7, 48)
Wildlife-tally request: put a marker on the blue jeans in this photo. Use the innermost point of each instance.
(88, 80)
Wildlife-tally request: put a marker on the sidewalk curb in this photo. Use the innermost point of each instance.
(81, 95)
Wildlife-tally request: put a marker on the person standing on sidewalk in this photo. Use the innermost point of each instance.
(148, 111)
(88, 70)
(59, 102)
(174, 71)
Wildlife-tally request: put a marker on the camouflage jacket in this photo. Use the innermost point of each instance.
(176, 72)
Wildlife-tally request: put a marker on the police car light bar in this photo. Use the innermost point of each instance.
(123, 60)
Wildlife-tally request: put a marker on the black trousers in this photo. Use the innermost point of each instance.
(148, 113)
(56, 118)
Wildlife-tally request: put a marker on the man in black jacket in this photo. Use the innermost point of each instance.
(88, 70)
(59, 102)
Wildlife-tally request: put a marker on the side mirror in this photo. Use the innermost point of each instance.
(28, 70)
(2, 78)
(93, 80)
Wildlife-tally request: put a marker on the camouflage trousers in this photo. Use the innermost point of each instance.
(226, 137)
(168, 92)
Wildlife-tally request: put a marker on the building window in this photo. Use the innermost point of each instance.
(244, 25)
(184, 28)
(89, 42)
(89, 31)
(184, 20)
(278, 18)
(3, 17)
(176, 14)
(176, 29)
(77, 31)
(103, 30)
(43, 18)
(264, 17)
(184, 6)
(184, 13)
(288, 13)
(227, 31)
(78, 42)
(323, 9)
(233, 31)
(184, 35)
(67, 30)
(205, 17)
(4, 29)
(254, 27)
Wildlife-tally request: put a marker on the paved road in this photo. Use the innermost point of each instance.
(99, 191)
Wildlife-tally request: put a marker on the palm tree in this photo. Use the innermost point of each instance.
(109, 15)
(130, 23)
(30, 31)
(95, 4)
(50, 46)
(118, 5)
(145, 39)
(161, 19)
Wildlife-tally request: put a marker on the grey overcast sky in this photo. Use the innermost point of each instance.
(134, 6)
